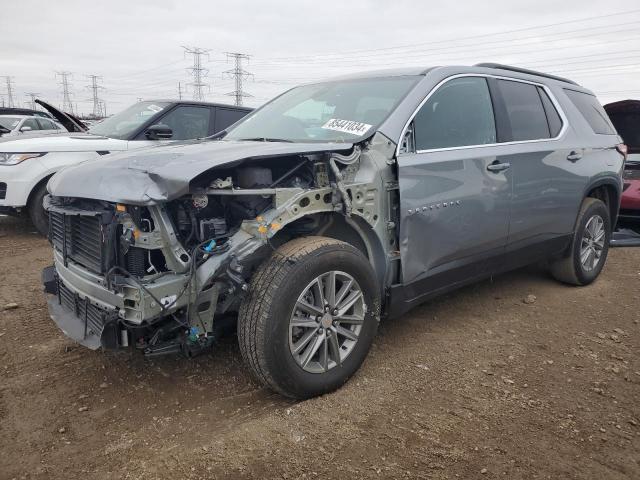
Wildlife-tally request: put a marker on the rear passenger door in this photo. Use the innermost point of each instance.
(455, 189)
(535, 130)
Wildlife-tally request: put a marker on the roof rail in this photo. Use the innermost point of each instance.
(524, 70)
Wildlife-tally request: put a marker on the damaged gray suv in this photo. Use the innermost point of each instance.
(334, 205)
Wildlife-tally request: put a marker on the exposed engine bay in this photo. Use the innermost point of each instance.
(169, 276)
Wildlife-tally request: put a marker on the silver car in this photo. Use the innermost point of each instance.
(13, 125)
(331, 207)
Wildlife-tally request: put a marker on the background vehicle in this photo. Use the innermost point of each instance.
(27, 164)
(625, 116)
(13, 125)
(329, 207)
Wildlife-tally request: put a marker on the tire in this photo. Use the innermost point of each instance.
(37, 213)
(571, 269)
(268, 339)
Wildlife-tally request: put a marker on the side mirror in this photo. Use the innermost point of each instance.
(25, 129)
(158, 132)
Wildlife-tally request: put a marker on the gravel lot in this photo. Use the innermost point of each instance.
(485, 382)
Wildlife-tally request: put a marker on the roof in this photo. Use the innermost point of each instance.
(5, 115)
(196, 102)
(387, 72)
(622, 106)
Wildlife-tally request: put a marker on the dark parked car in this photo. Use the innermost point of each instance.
(332, 206)
(625, 116)
(27, 164)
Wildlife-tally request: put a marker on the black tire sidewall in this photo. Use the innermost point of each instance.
(595, 208)
(285, 371)
(37, 213)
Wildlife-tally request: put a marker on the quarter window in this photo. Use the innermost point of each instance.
(524, 110)
(592, 111)
(459, 113)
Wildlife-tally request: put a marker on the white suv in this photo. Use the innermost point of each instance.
(27, 164)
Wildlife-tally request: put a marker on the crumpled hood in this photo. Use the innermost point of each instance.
(63, 142)
(161, 173)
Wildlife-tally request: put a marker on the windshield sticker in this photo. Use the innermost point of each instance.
(154, 108)
(347, 126)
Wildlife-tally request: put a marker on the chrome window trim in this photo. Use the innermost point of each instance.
(552, 97)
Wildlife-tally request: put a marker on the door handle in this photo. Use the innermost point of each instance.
(574, 156)
(497, 166)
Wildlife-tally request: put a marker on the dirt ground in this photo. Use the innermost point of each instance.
(476, 384)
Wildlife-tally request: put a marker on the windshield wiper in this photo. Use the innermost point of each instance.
(264, 139)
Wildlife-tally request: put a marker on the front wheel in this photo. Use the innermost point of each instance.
(590, 245)
(310, 317)
(37, 213)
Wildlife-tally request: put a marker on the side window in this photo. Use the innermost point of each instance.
(226, 117)
(46, 124)
(592, 111)
(459, 113)
(553, 117)
(187, 122)
(31, 123)
(524, 110)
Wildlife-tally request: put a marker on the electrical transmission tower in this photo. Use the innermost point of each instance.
(239, 74)
(10, 100)
(198, 71)
(67, 105)
(32, 96)
(97, 103)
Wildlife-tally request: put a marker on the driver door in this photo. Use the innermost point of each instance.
(455, 189)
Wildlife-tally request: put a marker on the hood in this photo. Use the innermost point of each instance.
(162, 173)
(60, 142)
(68, 121)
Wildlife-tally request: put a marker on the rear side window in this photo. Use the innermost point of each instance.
(524, 111)
(226, 117)
(553, 117)
(458, 114)
(592, 111)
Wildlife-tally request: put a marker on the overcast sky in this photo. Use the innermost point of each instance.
(135, 46)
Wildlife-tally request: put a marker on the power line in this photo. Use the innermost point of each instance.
(32, 101)
(97, 105)
(10, 100)
(67, 105)
(238, 74)
(198, 71)
(471, 37)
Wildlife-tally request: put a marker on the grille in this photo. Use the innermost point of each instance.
(3, 190)
(92, 316)
(78, 237)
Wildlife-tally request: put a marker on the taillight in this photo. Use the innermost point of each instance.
(622, 150)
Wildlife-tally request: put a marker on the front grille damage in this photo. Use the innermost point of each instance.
(85, 238)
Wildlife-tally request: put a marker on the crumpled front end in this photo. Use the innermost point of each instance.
(165, 277)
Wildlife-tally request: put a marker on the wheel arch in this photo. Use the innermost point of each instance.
(37, 185)
(609, 192)
(352, 230)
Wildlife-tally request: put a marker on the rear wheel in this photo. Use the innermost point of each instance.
(589, 247)
(310, 316)
(37, 213)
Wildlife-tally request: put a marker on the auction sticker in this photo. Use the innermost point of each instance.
(347, 126)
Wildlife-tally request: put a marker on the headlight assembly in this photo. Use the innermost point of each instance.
(16, 158)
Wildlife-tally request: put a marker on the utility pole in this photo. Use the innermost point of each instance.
(179, 91)
(10, 100)
(67, 105)
(97, 110)
(239, 74)
(198, 71)
(32, 96)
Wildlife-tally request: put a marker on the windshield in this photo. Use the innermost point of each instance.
(341, 111)
(9, 122)
(122, 124)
